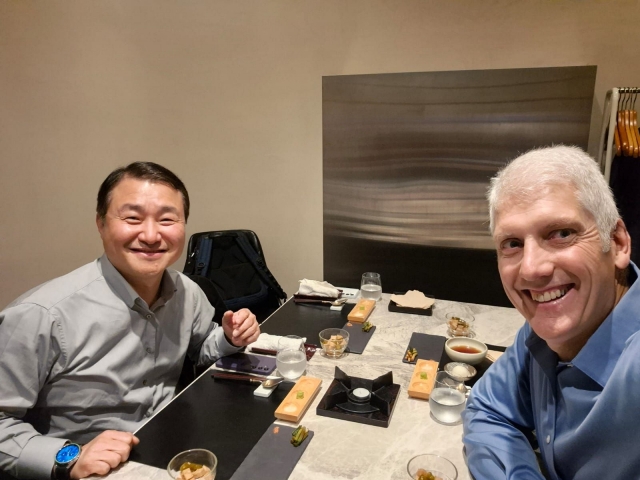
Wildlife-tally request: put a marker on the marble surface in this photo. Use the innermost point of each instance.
(366, 452)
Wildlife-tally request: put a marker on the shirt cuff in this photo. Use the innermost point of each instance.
(224, 346)
(38, 456)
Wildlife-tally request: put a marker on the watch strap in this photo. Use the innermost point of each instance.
(61, 472)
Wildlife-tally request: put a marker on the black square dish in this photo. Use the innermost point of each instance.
(394, 307)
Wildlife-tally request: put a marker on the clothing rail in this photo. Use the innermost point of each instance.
(605, 152)
(611, 108)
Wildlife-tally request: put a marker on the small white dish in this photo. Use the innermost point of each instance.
(465, 350)
(460, 371)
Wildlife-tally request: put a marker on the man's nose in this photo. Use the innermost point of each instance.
(150, 232)
(536, 262)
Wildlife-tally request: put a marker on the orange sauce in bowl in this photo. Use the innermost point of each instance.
(465, 349)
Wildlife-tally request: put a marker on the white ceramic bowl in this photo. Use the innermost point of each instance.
(472, 358)
(460, 371)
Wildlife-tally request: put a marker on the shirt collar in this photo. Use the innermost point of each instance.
(599, 356)
(126, 292)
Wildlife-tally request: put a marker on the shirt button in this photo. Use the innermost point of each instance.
(144, 382)
(148, 414)
(148, 316)
(548, 439)
(149, 350)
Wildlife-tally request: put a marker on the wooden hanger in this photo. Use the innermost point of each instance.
(633, 143)
(634, 120)
(622, 131)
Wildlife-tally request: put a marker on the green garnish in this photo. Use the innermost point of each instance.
(423, 375)
(298, 435)
(411, 354)
(366, 326)
(300, 395)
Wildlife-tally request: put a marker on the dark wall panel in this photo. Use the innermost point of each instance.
(407, 162)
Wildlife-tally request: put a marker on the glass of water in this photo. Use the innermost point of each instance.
(447, 399)
(291, 358)
(371, 286)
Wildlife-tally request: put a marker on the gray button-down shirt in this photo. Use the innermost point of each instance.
(84, 353)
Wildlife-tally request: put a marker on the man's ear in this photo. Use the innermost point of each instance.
(99, 223)
(621, 245)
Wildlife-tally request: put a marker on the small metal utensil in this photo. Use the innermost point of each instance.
(267, 382)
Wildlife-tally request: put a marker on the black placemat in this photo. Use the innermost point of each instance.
(357, 338)
(480, 367)
(305, 320)
(273, 457)
(429, 347)
(224, 417)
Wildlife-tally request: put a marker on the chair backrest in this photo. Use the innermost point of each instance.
(233, 262)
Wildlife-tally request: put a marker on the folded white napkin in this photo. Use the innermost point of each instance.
(270, 342)
(315, 287)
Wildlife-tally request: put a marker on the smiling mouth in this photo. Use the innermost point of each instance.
(550, 295)
(146, 252)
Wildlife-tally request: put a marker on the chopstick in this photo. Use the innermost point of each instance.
(264, 351)
(237, 377)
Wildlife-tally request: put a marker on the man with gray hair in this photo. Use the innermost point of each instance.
(570, 380)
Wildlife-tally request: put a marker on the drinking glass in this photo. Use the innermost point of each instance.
(197, 456)
(291, 358)
(437, 465)
(371, 286)
(447, 399)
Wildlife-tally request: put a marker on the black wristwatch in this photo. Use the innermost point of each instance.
(66, 458)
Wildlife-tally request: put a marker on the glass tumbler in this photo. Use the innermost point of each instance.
(447, 399)
(291, 358)
(371, 286)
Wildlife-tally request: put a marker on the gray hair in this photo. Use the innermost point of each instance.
(528, 175)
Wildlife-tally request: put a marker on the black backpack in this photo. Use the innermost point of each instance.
(230, 265)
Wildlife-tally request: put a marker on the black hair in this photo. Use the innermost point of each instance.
(142, 171)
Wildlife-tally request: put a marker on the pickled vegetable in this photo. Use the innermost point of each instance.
(191, 466)
(298, 435)
(422, 474)
(411, 354)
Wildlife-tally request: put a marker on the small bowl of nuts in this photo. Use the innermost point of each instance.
(460, 324)
(334, 342)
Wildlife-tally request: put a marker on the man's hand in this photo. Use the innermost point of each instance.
(241, 328)
(106, 451)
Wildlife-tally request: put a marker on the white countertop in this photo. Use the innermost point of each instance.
(358, 451)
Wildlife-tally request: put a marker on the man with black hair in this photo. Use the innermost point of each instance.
(88, 357)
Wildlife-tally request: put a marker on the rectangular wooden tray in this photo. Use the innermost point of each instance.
(292, 408)
(419, 386)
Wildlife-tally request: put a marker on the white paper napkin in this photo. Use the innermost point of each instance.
(270, 342)
(315, 287)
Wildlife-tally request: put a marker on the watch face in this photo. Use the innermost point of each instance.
(67, 453)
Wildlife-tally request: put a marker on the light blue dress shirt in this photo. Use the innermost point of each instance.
(586, 413)
(84, 353)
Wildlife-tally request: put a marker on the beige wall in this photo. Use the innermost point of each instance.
(228, 95)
